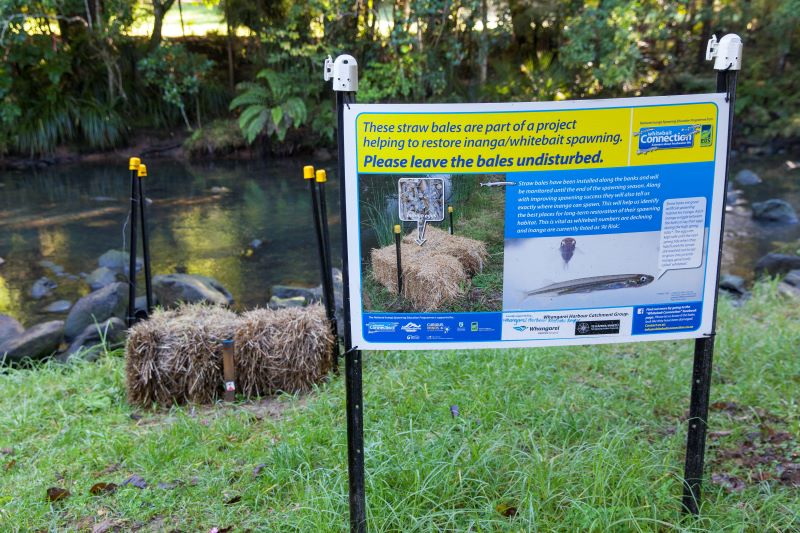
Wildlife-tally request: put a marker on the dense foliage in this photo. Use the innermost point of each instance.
(71, 71)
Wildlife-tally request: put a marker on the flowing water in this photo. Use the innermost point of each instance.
(201, 220)
(71, 214)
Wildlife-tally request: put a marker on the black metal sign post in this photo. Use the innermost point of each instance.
(133, 166)
(728, 54)
(344, 74)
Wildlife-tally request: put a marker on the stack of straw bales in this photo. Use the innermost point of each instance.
(435, 273)
(176, 356)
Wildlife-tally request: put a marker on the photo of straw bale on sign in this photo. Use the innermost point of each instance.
(447, 232)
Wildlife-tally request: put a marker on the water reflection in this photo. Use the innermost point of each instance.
(70, 215)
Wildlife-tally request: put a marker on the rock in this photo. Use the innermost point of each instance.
(100, 277)
(99, 306)
(774, 264)
(789, 290)
(37, 342)
(140, 304)
(732, 284)
(747, 177)
(322, 155)
(42, 287)
(90, 341)
(310, 295)
(219, 190)
(103, 199)
(173, 288)
(255, 244)
(280, 303)
(54, 268)
(793, 278)
(59, 306)
(118, 261)
(2, 261)
(9, 327)
(775, 210)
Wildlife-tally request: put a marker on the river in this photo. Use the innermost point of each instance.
(203, 217)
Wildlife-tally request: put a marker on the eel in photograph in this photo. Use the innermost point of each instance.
(595, 283)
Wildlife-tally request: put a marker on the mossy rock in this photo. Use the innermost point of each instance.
(220, 137)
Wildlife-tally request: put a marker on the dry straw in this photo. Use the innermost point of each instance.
(286, 350)
(176, 356)
(435, 273)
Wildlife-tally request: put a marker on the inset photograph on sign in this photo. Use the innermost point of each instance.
(451, 242)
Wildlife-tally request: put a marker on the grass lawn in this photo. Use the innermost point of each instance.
(574, 439)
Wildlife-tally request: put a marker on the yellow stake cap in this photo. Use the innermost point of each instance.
(133, 163)
(397, 228)
(308, 172)
(449, 208)
(322, 176)
(142, 171)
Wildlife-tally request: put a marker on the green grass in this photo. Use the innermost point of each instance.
(576, 439)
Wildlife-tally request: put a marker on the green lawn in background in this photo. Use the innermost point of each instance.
(549, 439)
(198, 19)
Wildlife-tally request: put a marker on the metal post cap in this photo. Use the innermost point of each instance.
(397, 228)
(322, 176)
(133, 163)
(142, 171)
(308, 172)
(449, 208)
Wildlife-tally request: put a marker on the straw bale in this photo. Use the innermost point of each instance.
(286, 349)
(176, 356)
(472, 254)
(429, 280)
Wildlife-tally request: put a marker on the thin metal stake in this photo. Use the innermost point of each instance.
(133, 166)
(327, 276)
(148, 280)
(399, 260)
(450, 212)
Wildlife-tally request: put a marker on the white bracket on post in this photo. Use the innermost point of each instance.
(726, 53)
(343, 71)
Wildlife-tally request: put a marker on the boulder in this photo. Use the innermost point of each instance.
(793, 278)
(732, 284)
(90, 341)
(281, 303)
(255, 244)
(58, 270)
(310, 295)
(775, 210)
(774, 264)
(789, 290)
(2, 261)
(322, 155)
(100, 277)
(747, 177)
(99, 306)
(170, 289)
(37, 342)
(118, 261)
(9, 328)
(42, 287)
(59, 306)
(140, 304)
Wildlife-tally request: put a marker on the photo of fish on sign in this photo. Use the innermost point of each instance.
(589, 271)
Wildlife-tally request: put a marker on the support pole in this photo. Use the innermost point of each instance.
(133, 166)
(229, 370)
(344, 76)
(450, 213)
(728, 55)
(148, 280)
(399, 260)
(327, 276)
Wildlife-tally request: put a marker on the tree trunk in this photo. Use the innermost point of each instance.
(160, 8)
(229, 39)
(705, 32)
(483, 47)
